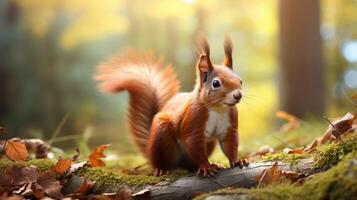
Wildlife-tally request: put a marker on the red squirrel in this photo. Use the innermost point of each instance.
(179, 130)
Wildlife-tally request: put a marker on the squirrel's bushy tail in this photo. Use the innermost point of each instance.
(149, 84)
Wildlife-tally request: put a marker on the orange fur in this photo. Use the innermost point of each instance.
(149, 84)
(172, 128)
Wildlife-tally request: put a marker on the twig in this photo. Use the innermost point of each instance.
(333, 126)
(3, 148)
(3, 130)
(58, 129)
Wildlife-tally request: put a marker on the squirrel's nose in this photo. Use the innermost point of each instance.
(237, 96)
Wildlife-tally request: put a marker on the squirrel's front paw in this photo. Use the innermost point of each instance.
(208, 169)
(160, 172)
(240, 163)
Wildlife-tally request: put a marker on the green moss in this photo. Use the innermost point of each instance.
(326, 156)
(337, 183)
(288, 158)
(330, 154)
(106, 176)
(41, 164)
(108, 180)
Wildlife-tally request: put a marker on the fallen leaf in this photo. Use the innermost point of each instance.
(37, 146)
(77, 166)
(342, 125)
(142, 194)
(5, 185)
(77, 187)
(22, 175)
(50, 185)
(62, 166)
(124, 193)
(300, 150)
(16, 151)
(38, 193)
(95, 158)
(334, 131)
(292, 122)
(24, 190)
(85, 187)
(293, 176)
(12, 197)
(265, 149)
(271, 175)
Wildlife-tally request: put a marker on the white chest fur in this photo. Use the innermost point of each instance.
(217, 124)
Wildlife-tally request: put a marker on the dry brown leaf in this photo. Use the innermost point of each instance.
(16, 151)
(271, 175)
(292, 122)
(124, 193)
(5, 180)
(50, 185)
(62, 166)
(25, 190)
(142, 194)
(22, 175)
(293, 176)
(334, 131)
(84, 187)
(12, 197)
(300, 150)
(76, 166)
(38, 193)
(95, 158)
(342, 125)
(265, 149)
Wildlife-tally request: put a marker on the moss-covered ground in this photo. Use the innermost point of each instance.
(339, 182)
(138, 174)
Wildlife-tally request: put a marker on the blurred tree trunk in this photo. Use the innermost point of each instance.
(11, 13)
(301, 68)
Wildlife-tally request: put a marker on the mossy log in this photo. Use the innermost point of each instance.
(322, 159)
(188, 187)
(339, 182)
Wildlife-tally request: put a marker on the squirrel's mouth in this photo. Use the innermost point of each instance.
(230, 104)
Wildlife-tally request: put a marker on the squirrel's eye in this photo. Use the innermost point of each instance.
(216, 84)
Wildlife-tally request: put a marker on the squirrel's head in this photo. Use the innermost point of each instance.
(218, 84)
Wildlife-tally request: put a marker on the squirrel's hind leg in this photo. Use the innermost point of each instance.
(163, 151)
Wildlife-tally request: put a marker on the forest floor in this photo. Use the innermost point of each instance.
(324, 169)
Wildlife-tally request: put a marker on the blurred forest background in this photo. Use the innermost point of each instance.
(299, 56)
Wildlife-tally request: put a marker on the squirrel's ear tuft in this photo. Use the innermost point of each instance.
(228, 48)
(204, 64)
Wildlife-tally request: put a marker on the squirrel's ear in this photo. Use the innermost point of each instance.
(228, 48)
(204, 64)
